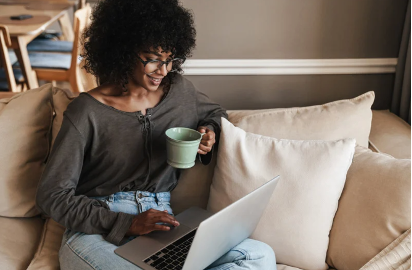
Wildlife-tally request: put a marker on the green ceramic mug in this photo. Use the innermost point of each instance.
(182, 145)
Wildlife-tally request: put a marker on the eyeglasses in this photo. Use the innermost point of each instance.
(151, 66)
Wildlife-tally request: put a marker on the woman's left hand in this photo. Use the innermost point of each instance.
(207, 142)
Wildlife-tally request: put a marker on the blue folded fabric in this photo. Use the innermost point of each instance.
(44, 45)
(49, 60)
(18, 75)
(4, 86)
(12, 56)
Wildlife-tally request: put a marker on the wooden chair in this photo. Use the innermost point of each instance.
(63, 67)
(50, 45)
(10, 79)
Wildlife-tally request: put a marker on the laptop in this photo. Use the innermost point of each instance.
(202, 237)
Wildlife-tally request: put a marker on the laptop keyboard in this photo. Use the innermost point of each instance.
(173, 256)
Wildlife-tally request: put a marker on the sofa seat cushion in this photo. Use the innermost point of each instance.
(19, 239)
(390, 134)
(47, 254)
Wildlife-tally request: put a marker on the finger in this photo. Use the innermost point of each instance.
(157, 227)
(202, 129)
(205, 148)
(208, 143)
(206, 138)
(166, 218)
(201, 152)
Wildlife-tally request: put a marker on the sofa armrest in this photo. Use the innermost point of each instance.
(390, 135)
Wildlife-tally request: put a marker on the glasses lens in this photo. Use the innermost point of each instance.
(151, 67)
(155, 65)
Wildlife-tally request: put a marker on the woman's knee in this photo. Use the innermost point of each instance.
(257, 250)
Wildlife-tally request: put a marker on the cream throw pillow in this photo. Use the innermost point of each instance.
(350, 118)
(374, 210)
(299, 216)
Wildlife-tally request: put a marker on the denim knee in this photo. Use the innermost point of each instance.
(257, 250)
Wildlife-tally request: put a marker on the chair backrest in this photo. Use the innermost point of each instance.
(81, 20)
(5, 42)
(81, 4)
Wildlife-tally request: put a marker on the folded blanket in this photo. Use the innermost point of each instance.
(396, 255)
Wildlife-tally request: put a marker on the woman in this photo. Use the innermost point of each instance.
(107, 180)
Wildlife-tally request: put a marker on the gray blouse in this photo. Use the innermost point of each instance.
(101, 150)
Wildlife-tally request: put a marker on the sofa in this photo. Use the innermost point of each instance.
(364, 224)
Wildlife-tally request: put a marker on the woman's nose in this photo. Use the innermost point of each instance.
(162, 70)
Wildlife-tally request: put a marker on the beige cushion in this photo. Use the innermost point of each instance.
(375, 209)
(395, 256)
(47, 254)
(299, 216)
(25, 129)
(349, 118)
(61, 99)
(19, 238)
(390, 134)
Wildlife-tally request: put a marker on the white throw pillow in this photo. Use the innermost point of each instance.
(299, 216)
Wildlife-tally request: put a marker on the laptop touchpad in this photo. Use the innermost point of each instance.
(166, 237)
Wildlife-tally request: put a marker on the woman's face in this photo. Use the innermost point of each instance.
(152, 81)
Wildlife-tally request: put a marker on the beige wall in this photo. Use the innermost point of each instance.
(263, 92)
(296, 29)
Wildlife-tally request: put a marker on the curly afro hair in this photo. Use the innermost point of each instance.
(121, 29)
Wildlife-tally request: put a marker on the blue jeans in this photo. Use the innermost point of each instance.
(83, 251)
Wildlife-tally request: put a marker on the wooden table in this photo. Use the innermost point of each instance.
(21, 35)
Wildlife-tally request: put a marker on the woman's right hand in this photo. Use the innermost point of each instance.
(145, 222)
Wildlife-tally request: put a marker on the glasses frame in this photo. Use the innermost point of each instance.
(161, 63)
